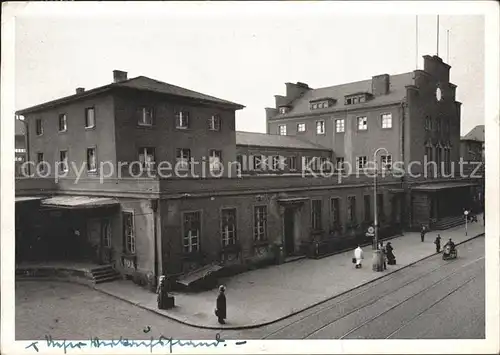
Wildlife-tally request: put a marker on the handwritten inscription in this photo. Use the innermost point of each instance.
(152, 343)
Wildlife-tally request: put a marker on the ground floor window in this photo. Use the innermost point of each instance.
(191, 231)
(351, 209)
(368, 214)
(228, 226)
(129, 232)
(335, 212)
(260, 223)
(316, 215)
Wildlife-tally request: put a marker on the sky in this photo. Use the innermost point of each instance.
(241, 55)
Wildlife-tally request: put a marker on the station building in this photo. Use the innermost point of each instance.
(228, 197)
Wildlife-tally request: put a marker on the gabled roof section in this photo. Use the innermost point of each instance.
(397, 92)
(275, 141)
(476, 134)
(139, 83)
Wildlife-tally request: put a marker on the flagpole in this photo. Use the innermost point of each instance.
(448, 46)
(416, 42)
(437, 39)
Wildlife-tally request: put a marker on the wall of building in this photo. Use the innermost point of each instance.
(210, 208)
(76, 139)
(352, 142)
(471, 151)
(163, 134)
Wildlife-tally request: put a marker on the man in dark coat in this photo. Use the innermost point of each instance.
(220, 310)
(438, 243)
(391, 258)
(422, 233)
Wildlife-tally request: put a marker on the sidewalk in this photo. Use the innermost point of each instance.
(267, 295)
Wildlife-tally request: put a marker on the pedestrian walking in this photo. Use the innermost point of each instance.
(422, 233)
(220, 310)
(358, 255)
(438, 243)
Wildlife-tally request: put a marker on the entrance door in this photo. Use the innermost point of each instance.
(105, 247)
(289, 220)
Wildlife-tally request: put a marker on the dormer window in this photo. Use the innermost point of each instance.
(354, 99)
(284, 110)
(321, 103)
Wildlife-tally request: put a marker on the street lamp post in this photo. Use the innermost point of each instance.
(375, 209)
(377, 253)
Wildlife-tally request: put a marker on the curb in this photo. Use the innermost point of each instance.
(253, 326)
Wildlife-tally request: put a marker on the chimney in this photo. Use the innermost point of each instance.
(293, 91)
(80, 90)
(380, 85)
(119, 75)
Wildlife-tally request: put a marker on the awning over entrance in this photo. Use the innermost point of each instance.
(79, 202)
(28, 198)
(442, 186)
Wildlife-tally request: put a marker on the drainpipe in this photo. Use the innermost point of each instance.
(402, 153)
(154, 207)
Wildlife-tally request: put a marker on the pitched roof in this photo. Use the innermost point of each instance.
(397, 91)
(274, 141)
(139, 83)
(476, 134)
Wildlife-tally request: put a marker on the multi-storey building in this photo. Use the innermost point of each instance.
(472, 145)
(19, 147)
(168, 219)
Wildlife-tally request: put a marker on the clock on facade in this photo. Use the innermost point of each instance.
(438, 94)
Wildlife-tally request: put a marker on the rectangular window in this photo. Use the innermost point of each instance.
(283, 110)
(258, 162)
(183, 158)
(292, 163)
(386, 161)
(340, 125)
(335, 211)
(351, 209)
(260, 223)
(276, 162)
(191, 232)
(368, 212)
(438, 158)
(39, 127)
(348, 101)
(361, 162)
(316, 215)
(214, 123)
(428, 123)
(339, 164)
(282, 130)
(63, 161)
(91, 160)
(362, 123)
(145, 116)
(182, 120)
(228, 226)
(362, 99)
(320, 127)
(63, 124)
(386, 120)
(354, 100)
(301, 127)
(215, 161)
(128, 232)
(239, 165)
(147, 158)
(89, 117)
(40, 162)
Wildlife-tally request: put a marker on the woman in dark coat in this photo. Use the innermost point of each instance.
(391, 258)
(220, 310)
